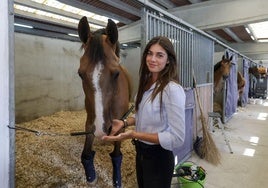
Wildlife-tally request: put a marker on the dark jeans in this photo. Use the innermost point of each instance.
(154, 166)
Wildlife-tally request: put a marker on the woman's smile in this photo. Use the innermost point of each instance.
(156, 58)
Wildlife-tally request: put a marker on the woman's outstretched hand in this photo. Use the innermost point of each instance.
(116, 127)
(122, 136)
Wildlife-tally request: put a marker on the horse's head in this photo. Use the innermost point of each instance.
(255, 71)
(225, 66)
(105, 83)
(221, 72)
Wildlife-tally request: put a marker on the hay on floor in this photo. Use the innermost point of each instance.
(54, 161)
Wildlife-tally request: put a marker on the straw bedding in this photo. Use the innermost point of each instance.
(53, 161)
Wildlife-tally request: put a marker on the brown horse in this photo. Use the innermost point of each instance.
(240, 84)
(221, 72)
(107, 92)
(258, 72)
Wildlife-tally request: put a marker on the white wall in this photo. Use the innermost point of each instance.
(131, 59)
(46, 79)
(6, 83)
(218, 57)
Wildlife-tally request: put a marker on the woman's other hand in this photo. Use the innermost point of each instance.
(122, 136)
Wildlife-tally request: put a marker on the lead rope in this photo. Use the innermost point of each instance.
(37, 133)
(41, 133)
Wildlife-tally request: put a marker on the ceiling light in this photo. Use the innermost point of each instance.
(252, 37)
(247, 29)
(74, 10)
(86, 13)
(24, 8)
(259, 30)
(39, 1)
(73, 35)
(22, 25)
(53, 3)
(263, 40)
(71, 9)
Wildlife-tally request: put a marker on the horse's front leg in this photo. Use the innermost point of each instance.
(87, 159)
(116, 157)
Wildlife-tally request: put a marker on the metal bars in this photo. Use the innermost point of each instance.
(203, 50)
(156, 24)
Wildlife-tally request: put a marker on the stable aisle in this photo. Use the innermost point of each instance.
(247, 167)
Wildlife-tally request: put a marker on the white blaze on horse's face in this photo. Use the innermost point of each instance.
(99, 120)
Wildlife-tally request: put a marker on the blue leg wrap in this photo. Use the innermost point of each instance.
(88, 164)
(117, 171)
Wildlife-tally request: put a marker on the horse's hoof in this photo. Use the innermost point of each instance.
(94, 182)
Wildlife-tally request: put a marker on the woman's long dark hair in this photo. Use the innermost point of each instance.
(167, 74)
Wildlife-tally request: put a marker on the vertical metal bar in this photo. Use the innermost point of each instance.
(180, 55)
(192, 60)
(186, 57)
(144, 28)
(161, 29)
(183, 47)
(155, 27)
(169, 32)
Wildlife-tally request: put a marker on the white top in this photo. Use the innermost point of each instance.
(170, 124)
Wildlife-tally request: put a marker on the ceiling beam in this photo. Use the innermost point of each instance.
(195, 1)
(41, 28)
(163, 4)
(121, 5)
(20, 13)
(43, 25)
(217, 36)
(234, 36)
(256, 51)
(251, 48)
(216, 14)
(46, 8)
(96, 10)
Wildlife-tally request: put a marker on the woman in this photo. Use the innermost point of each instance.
(159, 118)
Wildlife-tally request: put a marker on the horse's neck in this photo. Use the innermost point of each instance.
(218, 81)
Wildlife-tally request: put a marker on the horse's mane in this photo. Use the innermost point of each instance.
(217, 66)
(130, 84)
(103, 32)
(96, 51)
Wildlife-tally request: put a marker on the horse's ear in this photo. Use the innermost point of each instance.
(222, 57)
(112, 31)
(83, 29)
(231, 58)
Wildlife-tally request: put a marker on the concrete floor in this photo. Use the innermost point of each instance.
(247, 167)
